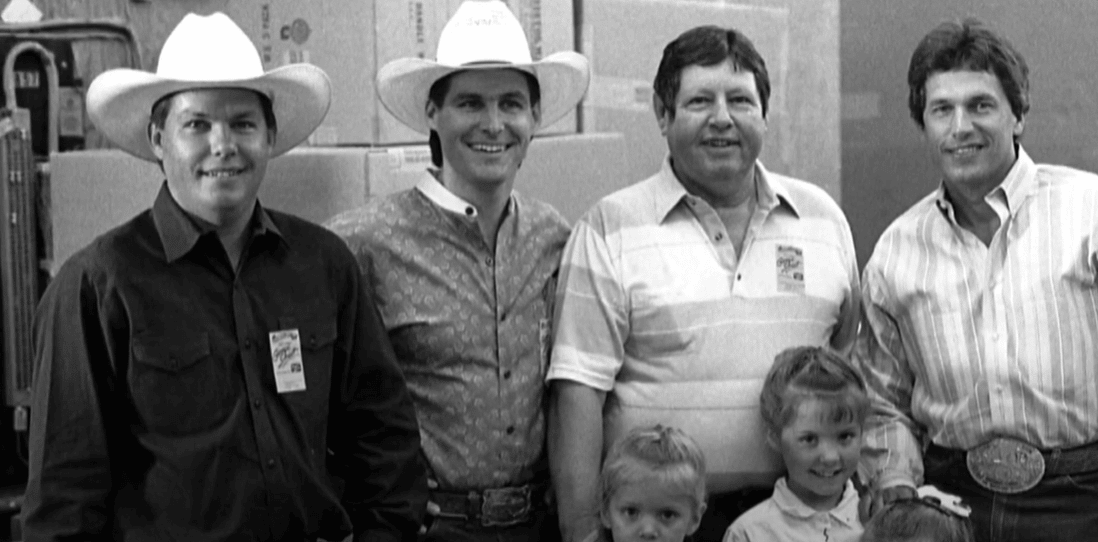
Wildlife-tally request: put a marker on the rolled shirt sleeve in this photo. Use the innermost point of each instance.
(591, 316)
(892, 454)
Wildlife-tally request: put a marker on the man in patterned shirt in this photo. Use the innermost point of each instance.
(465, 270)
(677, 292)
(982, 310)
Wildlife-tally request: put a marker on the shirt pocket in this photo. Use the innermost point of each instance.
(317, 332)
(179, 385)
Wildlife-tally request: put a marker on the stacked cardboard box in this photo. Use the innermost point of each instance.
(93, 191)
(798, 39)
(571, 172)
(624, 40)
(351, 39)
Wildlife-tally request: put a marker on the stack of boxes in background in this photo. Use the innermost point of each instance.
(351, 39)
(625, 51)
(611, 141)
(104, 188)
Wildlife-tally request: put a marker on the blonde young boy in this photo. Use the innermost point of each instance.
(652, 486)
(814, 403)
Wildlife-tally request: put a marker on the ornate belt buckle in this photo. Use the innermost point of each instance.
(1006, 465)
(505, 506)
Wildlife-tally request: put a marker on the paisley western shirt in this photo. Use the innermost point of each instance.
(471, 327)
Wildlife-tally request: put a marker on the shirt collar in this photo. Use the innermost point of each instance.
(179, 231)
(1020, 182)
(669, 191)
(845, 512)
(773, 191)
(437, 192)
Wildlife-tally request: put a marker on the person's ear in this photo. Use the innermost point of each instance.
(156, 138)
(536, 111)
(696, 520)
(1019, 126)
(663, 113)
(774, 440)
(432, 110)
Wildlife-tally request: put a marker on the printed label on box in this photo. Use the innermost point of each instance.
(409, 160)
(620, 93)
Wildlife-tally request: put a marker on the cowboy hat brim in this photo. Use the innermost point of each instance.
(403, 85)
(120, 103)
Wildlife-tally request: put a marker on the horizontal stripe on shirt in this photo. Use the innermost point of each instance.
(655, 309)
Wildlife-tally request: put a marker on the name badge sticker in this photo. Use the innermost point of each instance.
(790, 268)
(289, 368)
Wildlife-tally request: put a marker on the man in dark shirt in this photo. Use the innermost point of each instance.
(207, 368)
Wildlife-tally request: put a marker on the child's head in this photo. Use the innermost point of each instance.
(653, 485)
(814, 403)
(918, 520)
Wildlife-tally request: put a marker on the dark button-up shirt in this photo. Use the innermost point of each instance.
(470, 326)
(155, 412)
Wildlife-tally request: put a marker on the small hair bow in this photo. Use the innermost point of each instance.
(943, 501)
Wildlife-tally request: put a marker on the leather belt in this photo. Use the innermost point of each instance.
(1007, 465)
(496, 507)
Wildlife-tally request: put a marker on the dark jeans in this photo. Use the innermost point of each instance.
(723, 508)
(1061, 507)
(542, 528)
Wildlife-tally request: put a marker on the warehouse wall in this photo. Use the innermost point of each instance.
(885, 166)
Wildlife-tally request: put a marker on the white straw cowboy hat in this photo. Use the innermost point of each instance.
(207, 52)
(481, 35)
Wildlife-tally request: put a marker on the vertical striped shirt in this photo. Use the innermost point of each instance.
(965, 342)
(656, 309)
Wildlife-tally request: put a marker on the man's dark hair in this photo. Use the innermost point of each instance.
(437, 95)
(708, 46)
(967, 45)
(159, 113)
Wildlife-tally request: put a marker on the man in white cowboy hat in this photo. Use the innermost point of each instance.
(678, 292)
(205, 369)
(464, 269)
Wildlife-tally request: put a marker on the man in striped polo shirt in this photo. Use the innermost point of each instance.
(676, 293)
(982, 310)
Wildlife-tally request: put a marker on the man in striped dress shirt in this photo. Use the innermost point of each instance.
(981, 308)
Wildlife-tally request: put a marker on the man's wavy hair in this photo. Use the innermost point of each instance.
(708, 46)
(967, 45)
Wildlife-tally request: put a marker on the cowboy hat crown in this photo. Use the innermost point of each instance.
(207, 52)
(482, 34)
